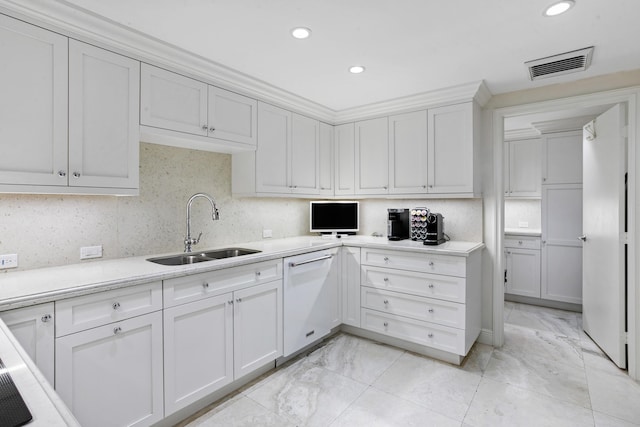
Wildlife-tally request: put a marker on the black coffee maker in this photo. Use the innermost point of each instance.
(435, 229)
(398, 224)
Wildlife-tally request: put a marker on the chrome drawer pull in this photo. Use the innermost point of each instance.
(386, 301)
(258, 273)
(386, 279)
(430, 335)
(116, 305)
(430, 263)
(322, 258)
(386, 324)
(117, 330)
(46, 318)
(431, 310)
(386, 259)
(205, 285)
(430, 285)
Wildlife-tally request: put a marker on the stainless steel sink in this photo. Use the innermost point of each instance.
(192, 258)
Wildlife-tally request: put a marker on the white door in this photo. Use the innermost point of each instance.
(198, 350)
(104, 124)
(408, 153)
(232, 117)
(257, 327)
(525, 172)
(372, 161)
(33, 104)
(325, 160)
(171, 101)
(112, 375)
(303, 155)
(272, 155)
(345, 159)
(562, 158)
(561, 250)
(604, 166)
(33, 327)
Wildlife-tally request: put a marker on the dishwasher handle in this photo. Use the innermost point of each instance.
(322, 258)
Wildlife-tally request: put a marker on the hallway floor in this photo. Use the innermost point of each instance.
(548, 373)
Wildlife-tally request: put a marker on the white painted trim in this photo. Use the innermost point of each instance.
(515, 134)
(485, 337)
(79, 23)
(630, 96)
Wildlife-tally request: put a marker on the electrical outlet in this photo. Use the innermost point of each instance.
(266, 234)
(91, 252)
(8, 261)
(523, 224)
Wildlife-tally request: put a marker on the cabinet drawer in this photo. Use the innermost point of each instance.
(420, 308)
(447, 288)
(522, 242)
(89, 311)
(416, 331)
(429, 263)
(192, 288)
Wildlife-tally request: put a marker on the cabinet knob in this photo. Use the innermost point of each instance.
(431, 186)
(117, 330)
(430, 335)
(386, 301)
(205, 285)
(238, 299)
(46, 318)
(386, 259)
(386, 279)
(116, 305)
(230, 302)
(205, 127)
(212, 129)
(258, 273)
(62, 173)
(430, 285)
(76, 174)
(431, 310)
(430, 263)
(384, 187)
(386, 324)
(424, 186)
(519, 242)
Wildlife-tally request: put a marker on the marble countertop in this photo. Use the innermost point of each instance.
(22, 288)
(523, 232)
(45, 405)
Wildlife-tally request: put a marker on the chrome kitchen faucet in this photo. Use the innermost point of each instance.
(189, 241)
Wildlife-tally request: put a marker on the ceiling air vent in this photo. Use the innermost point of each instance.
(557, 65)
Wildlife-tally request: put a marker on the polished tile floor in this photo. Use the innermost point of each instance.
(548, 373)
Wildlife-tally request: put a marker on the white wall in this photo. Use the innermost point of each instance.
(522, 210)
(49, 230)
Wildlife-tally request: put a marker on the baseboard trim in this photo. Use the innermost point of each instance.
(485, 337)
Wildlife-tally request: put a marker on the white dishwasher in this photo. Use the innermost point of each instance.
(310, 291)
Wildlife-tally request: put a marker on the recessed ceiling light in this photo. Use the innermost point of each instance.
(559, 7)
(301, 32)
(356, 69)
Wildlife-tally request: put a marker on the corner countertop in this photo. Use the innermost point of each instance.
(534, 232)
(28, 287)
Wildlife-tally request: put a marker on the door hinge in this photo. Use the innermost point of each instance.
(625, 337)
(625, 238)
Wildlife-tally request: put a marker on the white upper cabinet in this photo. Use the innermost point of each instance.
(272, 157)
(184, 112)
(408, 153)
(325, 160)
(345, 159)
(33, 105)
(304, 155)
(171, 101)
(371, 153)
(523, 170)
(103, 118)
(451, 149)
(232, 117)
(562, 158)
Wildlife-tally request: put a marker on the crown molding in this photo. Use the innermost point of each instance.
(562, 125)
(79, 23)
(515, 134)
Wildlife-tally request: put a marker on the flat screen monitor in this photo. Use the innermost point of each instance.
(334, 217)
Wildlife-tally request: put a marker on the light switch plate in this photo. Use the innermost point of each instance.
(91, 252)
(523, 224)
(266, 234)
(8, 261)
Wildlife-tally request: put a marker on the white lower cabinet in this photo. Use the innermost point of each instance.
(350, 272)
(522, 255)
(33, 327)
(214, 341)
(112, 375)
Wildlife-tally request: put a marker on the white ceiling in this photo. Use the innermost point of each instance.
(407, 46)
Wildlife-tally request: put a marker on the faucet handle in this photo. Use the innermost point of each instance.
(196, 241)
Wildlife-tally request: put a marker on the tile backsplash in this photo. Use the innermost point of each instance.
(517, 211)
(48, 230)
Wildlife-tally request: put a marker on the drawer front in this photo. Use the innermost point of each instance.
(197, 286)
(420, 308)
(521, 242)
(446, 288)
(424, 333)
(90, 311)
(429, 263)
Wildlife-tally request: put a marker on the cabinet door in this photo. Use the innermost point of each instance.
(450, 148)
(272, 156)
(334, 291)
(525, 168)
(304, 155)
(104, 124)
(232, 117)
(350, 265)
(325, 159)
(372, 161)
(171, 101)
(33, 327)
(257, 327)
(33, 104)
(112, 375)
(523, 272)
(345, 159)
(198, 350)
(562, 158)
(408, 153)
